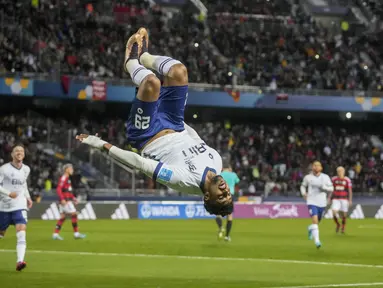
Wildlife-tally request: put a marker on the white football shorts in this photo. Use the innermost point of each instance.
(68, 208)
(340, 205)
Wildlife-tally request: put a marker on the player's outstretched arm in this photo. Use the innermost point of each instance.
(128, 158)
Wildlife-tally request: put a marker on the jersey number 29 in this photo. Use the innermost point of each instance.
(141, 122)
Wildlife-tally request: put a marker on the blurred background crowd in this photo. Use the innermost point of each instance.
(270, 43)
(269, 158)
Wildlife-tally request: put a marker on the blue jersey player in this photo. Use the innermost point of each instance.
(172, 153)
(314, 189)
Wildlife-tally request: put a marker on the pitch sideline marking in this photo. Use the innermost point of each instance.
(333, 285)
(197, 258)
(371, 226)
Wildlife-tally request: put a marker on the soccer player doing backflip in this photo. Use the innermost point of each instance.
(172, 153)
(15, 200)
(314, 189)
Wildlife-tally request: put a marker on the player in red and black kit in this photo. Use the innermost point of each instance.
(67, 203)
(341, 198)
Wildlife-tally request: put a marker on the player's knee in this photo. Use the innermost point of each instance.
(149, 89)
(179, 73)
(314, 219)
(152, 82)
(21, 227)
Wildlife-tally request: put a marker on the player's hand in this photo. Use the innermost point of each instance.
(29, 203)
(305, 197)
(13, 195)
(63, 202)
(91, 140)
(75, 201)
(328, 201)
(323, 188)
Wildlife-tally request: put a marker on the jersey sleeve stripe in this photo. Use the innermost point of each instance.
(157, 170)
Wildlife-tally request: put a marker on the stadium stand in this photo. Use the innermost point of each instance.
(269, 159)
(279, 7)
(274, 44)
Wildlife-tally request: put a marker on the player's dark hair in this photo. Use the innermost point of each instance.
(226, 164)
(18, 145)
(218, 208)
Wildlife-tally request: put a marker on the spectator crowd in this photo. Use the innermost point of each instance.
(45, 169)
(46, 164)
(275, 158)
(269, 159)
(272, 44)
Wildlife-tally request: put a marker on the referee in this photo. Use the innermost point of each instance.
(231, 179)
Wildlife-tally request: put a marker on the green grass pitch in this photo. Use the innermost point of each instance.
(147, 253)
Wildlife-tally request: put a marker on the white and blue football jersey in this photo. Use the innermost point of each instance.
(14, 180)
(315, 194)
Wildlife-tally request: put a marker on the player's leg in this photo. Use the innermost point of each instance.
(218, 220)
(19, 218)
(229, 224)
(149, 85)
(313, 229)
(77, 234)
(344, 212)
(344, 218)
(59, 224)
(174, 72)
(71, 210)
(335, 216)
(174, 90)
(335, 207)
(4, 223)
(143, 122)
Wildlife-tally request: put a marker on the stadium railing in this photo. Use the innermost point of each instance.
(207, 87)
(114, 193)
(113, 169)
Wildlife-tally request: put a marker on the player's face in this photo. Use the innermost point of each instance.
(219, 191)
(317, 167)
(70, 170)
(340, 172)
(18, 153)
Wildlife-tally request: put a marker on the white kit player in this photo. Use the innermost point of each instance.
(15, 200)
(314, 189)
(172, 152)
